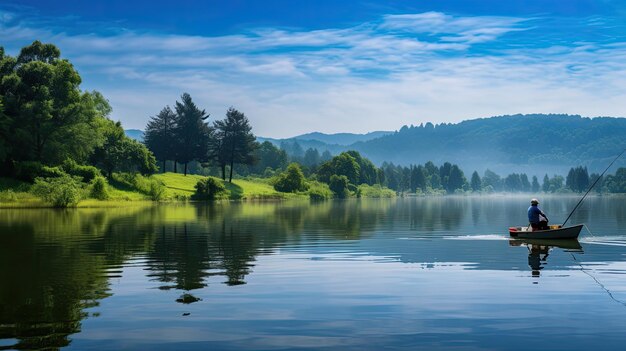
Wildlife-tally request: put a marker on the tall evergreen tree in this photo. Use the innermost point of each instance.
(456, 179)
(235, 142)
(192, 133)
(534, 187)
(545, 187)
(476, 182)
(159, 136)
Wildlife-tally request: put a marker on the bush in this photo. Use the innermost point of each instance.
(99, 189)
(339, 185)
(61, 191)
(87, 173)
(157, 190)
(8, 196)
(319, 191)
(29, 170)
(292, 180)
(209, 189)
(376, 191)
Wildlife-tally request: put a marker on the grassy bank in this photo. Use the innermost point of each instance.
(124, 190)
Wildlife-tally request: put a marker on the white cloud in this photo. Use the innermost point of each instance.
(405, 69)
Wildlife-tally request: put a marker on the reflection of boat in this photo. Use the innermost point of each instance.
(568, 244)
(539, 250)
(555, 232)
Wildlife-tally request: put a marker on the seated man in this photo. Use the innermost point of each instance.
(538, 220)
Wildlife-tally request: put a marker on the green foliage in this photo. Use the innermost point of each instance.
(50, 119)
(29, 170)
(159, 136)
(292, 180)
(476, 183)
(209, 189)
(61, 191)
(270, 157)
(192, 135)
(375, 191)
(616, 183)
(8, 196)
(339, 185)
(87, 173)
(578, 179)
(99, 189)
(118, 153)
(235, 143)
(562, 141)
(319, 191)
(156, 190)
(343, 164)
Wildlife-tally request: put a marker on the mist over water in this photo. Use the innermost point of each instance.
(402, 273)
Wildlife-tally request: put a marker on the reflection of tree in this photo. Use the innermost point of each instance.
(180, 257)
(45, 288)
(237, 252)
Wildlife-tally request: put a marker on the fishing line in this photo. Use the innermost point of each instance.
(582, 269)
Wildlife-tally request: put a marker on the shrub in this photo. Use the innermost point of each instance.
(292, 180)
(209, 189)
(61, 191)
(29, 170)
(339, 185)
(8, 196)
(87, 173)
(157, 190)
(376, 191)
(319, 191)
(99, 189)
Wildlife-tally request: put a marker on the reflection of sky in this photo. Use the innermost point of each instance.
(354, 300)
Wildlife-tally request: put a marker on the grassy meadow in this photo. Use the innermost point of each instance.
(131, 190)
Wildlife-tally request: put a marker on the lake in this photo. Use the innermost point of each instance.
(399, 274)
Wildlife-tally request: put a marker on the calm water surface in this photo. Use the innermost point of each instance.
(430, 273)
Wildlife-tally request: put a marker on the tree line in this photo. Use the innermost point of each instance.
(183, 135)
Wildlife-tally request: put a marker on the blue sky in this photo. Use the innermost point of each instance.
(338, 66)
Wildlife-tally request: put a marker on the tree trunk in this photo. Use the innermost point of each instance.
(185, 168)
(163, 170)
(223, 166)
(230, 178)
(175, 169)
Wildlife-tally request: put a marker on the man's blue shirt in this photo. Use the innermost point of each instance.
(533, 214)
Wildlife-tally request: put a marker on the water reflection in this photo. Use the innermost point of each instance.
(57, 264)
(539, 250)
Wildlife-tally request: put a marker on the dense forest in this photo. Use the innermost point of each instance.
(62, 141)
(535, 144)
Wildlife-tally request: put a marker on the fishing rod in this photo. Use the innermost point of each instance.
(591, 187)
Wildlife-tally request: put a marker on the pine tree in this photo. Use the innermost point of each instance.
(235, 143)
(159, 136)
(192, 134)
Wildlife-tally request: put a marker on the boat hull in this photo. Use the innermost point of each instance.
(560, 233)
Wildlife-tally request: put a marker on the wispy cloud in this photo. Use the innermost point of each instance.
(398, 70)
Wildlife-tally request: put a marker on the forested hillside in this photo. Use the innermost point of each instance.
(535, 144)
(530, 143)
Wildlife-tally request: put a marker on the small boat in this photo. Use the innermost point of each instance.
(555, 232)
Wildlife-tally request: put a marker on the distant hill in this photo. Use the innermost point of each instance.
(134, 134)
(534, 144)
(341, 138)
(334, 143)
